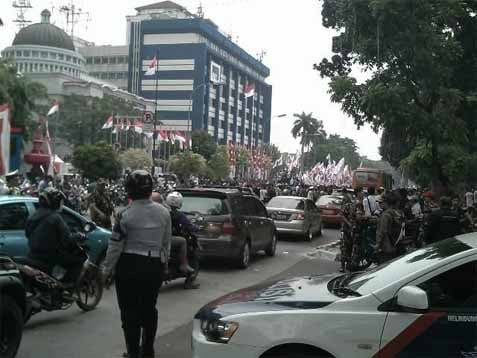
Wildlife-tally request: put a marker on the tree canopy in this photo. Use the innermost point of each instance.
(135, 159)
(187, 163)
(218, 165)
(96, 161)
(20, 93)
(203, 143)
(421, 62)
(337, 147)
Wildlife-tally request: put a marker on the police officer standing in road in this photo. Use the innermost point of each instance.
(139, 249)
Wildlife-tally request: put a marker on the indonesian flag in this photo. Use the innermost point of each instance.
(179, 136)
(55, 108)
(250, 90)
(138, 125)
(151, 70)
(109, 123)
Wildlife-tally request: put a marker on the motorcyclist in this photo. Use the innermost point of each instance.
(181, 228)
(49, 238)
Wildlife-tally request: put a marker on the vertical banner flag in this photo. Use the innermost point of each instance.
(151, 69)
(4, 139)
(54, 108)
(249, 90)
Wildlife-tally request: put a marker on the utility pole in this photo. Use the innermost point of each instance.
(22, 6)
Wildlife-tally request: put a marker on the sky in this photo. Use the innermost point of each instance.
(290, 32)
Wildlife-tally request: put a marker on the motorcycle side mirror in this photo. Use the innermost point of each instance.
(89, 226)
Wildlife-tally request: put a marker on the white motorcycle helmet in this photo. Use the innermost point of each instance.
(174, 200)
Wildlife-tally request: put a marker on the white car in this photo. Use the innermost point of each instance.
(420, 305)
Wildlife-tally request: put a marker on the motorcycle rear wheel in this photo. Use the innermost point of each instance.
(90, 291)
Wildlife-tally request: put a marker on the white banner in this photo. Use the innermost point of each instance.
(4, 139)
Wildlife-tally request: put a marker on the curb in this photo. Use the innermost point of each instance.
(329, 252)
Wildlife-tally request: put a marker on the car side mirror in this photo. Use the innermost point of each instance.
(89, 227)
(413, 298)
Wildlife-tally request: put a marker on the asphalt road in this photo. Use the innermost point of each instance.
(98, 334)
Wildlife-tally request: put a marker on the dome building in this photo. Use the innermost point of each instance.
(45, 48)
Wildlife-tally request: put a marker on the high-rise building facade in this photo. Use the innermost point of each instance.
(202, 76)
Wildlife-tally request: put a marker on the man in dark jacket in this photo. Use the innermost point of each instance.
(442, 223)
(49, 238)
(389, 229)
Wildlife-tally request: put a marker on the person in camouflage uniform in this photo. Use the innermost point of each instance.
(100, 205)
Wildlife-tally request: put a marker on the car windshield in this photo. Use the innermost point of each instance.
(204, 205)
(379, 277)
(330, 200)
(286, 203)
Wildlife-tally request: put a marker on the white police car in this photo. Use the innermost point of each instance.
(421, 305)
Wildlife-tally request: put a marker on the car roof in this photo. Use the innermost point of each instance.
(226, 191)
(289, 197)
(10, 198)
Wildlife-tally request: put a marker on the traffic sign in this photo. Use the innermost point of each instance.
(148, 119)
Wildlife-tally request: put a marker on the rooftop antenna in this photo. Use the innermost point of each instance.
(200, 11)
(261, 55)
(74, 15)
(22, 6)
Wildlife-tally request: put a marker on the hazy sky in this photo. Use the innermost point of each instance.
(289, 31)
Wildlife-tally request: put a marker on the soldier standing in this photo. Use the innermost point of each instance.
(100, 205)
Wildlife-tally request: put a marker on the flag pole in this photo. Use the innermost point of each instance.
(154, 136)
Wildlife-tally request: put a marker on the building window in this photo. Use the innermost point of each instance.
(112, 75)
(104, 60)
(19, 54)
(125, 59)
(41, 67)
(89, 60)
(97, 60)
(104, 76)
(61, 57)
(51, 68)
(53, 55)
(44, 54)
(120, 60)
(36, 67)
(35, 54)
(112, 60)
(68, 58)
(26, 53)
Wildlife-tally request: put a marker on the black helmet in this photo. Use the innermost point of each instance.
(51, 198)
(139, 185)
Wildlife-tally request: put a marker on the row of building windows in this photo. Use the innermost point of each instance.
(110, 75)
(42, 54)
(41, 67)
(107, 60)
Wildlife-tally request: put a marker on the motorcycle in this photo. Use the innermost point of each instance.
(47, 292)
(174, 272)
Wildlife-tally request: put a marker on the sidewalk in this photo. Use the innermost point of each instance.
(329, 252)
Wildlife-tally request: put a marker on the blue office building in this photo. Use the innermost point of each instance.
(202, 76)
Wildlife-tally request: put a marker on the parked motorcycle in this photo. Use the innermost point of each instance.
(46, 291)
(174, 272)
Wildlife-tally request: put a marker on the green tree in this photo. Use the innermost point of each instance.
(218, 165)
(309, 129)
(272, 151)
(186, 164)
(421, 60)
(20, 93)
(242, 160)
(82, 117)
(338, 147)
(135, 159)
(203, 143)
(96, 161)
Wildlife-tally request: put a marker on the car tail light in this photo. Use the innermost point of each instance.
(228, 228)
(225, 228)
(299, 216)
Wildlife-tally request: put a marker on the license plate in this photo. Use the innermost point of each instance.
(281, 217)
(328, 212)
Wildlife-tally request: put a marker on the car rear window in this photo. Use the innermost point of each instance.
(330, 200)
(204, 205)
(286, 203)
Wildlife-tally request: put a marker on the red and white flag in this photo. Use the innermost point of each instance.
(180, 136)
(152, 68)
(109, 123)
(249, 90)
(55, 108)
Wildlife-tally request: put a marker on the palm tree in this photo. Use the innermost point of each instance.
(309, 129)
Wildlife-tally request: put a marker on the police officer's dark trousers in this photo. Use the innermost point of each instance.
(138, 279)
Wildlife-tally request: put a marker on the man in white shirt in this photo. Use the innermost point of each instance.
(416, 207)
(371, 207)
